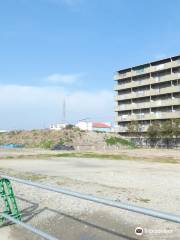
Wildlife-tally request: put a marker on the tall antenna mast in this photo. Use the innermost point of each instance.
(64, 111)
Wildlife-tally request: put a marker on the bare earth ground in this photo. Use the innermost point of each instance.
(148, 184)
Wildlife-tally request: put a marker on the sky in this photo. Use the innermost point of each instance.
(51, 50)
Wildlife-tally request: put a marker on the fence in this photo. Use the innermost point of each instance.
(107, 202)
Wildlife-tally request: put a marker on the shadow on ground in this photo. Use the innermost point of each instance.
(96, 226)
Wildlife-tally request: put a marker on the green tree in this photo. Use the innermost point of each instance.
(166, 129)
(133, 128)
(176, 128)
(153, 131)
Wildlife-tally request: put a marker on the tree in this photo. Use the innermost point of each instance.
(153, 133)
(166, 129)
(133, 128)
(176, 128)
(153, 130)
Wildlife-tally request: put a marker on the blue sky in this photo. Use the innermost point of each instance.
(51, 49)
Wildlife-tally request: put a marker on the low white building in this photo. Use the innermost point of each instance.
(94, 126)
(84, 125)
(4, 131)
(57, 126)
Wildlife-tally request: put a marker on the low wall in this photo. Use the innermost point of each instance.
(104, 147)
(157, 142)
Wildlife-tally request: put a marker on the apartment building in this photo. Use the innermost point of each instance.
(148, 92)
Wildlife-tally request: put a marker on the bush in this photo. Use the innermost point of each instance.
(69, 126)
(115, 140)
(61, 142)
(47, 144)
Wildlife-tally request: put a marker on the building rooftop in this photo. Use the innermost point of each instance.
(160, 61)
(101, 125)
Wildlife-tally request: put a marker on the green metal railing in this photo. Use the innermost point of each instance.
(9, 201)
(12, 213)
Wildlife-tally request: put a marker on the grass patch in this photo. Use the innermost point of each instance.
(81, 155)
(115, 141)
(32, 176)
(8, 157)
(94, 155)
(35, 177)
(46, 144)
(144, 200)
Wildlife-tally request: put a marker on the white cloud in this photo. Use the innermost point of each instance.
(64, 78)
(37, 107)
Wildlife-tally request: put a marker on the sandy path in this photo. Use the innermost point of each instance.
(153, 185)
(5, 234)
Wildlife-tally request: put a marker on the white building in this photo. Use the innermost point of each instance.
(57, 126)
(94, 126)
(3, 131)
(84, 125)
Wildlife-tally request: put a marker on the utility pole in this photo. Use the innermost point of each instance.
(64, 111)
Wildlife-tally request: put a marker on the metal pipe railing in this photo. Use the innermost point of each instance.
(29, 227)
(107, 202)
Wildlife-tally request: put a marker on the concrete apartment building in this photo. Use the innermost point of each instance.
(148, 92)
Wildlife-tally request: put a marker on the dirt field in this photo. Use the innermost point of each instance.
(148, 184)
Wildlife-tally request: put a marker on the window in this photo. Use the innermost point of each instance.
(140, 71)
(159, 67)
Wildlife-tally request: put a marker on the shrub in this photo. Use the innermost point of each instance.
(115, 140)
(47, 144)
(61, 142)
(69, 126)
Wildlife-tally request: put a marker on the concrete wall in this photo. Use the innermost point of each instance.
(159, 143)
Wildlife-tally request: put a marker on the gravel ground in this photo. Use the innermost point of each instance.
(147, 184)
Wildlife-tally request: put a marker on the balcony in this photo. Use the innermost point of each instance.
(122, 97)
(165, 78)
(149, 69)
(157, 68)
(125, 129)
(119, 76)
(123, 86)
(147, 81)
(163, 103)
(165, 90)
(132, 106)
(166, 115)
(121, 129)
(157, 103)
(132, 117)
(149, 116)
(146, 93)
(133, 84)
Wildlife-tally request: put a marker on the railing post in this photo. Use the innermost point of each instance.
(9, 200)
